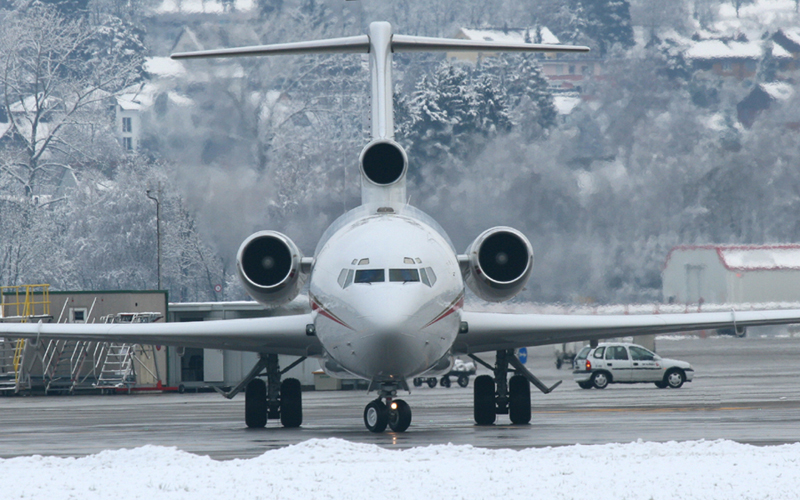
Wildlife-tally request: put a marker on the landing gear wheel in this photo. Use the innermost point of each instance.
(255, 403)
(445, 382)
(588, 384)
(376, 416)
(400, 416)
(674, 379)
(600, 380)
(291, 403)
(463, 380)
(432, 382)
(519, 401)
(417, 382)
(484, 406)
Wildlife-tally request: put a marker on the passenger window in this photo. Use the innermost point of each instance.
(641, 354)
(342, 277)
(431, 276)
(370, 276)
(403, 275)
(598, 353)
(617, 352)
(424, 276)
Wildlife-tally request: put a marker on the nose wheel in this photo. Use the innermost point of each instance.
(394, 413)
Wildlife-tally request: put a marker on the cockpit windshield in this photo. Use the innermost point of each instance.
(370, 276)
(403, 275)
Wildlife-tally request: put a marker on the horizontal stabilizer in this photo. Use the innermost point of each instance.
(406, 43)
(348, 45)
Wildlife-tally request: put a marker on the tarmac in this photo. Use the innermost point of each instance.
(744, 390)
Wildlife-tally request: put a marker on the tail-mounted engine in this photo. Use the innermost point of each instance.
(270, 267)
(498, 264)
(383, 173)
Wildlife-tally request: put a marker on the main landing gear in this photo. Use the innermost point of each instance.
(273, 399)
(385, 410)
(499, 395)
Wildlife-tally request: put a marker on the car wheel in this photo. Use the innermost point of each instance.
(600, 380)
(585, 385)
(661, 385)
(674, 378)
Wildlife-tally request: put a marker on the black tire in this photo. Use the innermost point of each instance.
(600, 380)
(675, 378)
(445, 382)
(376, 416)
(417, 382)
(255, 404)
(484, 406)
(432, 382)
(519, 400)
(740, 332)
(585, 385)
(661, 385)
(181, 389)
(463, 380)
(291, 403)
(400, 417)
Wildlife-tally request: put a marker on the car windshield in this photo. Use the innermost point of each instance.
(370, 276)
(583, 352)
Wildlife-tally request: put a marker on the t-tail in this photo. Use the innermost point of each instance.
(383, 162)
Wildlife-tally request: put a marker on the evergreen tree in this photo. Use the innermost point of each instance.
(607, 22)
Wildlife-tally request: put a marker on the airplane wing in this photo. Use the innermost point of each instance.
(497, 331)
(273, 335)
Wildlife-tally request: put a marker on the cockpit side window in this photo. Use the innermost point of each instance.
(424, 275)
(431, 275)
(342, 277)
(370, 276)
(403, 275)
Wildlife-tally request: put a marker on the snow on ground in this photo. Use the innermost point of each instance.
(334, 468)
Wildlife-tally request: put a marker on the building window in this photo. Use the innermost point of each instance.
(127, 124)
(127, 143)
(78, 314)
(726, 66)
(571, 69)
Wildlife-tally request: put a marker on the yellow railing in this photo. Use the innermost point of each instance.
(26, 300)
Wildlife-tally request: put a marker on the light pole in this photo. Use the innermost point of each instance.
(157, 199)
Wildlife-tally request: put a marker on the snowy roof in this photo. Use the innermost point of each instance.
(565, 103)
(516, 35)
(201, 6)
(779, 52)
(779, 91)
(4, 128)
(793, 35)
(718, 49)
(164, 67)
(751, 257)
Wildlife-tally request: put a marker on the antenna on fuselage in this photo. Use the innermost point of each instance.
(383, 175)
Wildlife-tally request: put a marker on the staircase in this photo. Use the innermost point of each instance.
(23, 304)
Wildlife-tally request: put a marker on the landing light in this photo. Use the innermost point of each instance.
(393, 405)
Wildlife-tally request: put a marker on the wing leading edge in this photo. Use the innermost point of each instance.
(496, 331)
(274, 335)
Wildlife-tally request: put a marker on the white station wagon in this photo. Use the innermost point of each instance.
(624, 363)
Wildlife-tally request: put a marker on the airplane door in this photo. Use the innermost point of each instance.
(618, 361)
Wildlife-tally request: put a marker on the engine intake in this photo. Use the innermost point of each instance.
(269, 266)
(383, 162)
(498, 264)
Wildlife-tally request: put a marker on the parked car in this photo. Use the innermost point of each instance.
(624, 363)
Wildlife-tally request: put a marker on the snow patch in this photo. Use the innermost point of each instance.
(335, 468)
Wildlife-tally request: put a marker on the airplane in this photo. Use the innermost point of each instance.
(386, 285)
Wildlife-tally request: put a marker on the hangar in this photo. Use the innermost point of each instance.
(732, 274)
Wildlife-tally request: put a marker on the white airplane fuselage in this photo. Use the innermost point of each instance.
(388, 292)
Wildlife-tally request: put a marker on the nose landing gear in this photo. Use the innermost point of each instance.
(395, 413)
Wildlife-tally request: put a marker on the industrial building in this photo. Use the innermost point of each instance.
(732, 274)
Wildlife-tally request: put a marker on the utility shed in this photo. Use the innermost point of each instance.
(724, 274)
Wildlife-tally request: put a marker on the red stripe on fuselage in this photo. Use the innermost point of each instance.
(454, 306)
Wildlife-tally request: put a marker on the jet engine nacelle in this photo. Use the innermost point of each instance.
(270, 268)
(498, 264)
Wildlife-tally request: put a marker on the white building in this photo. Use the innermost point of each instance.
(724, 274)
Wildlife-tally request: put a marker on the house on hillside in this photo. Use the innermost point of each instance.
(761, 98)
(564, 72)
(725, 57)
(726, 274)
